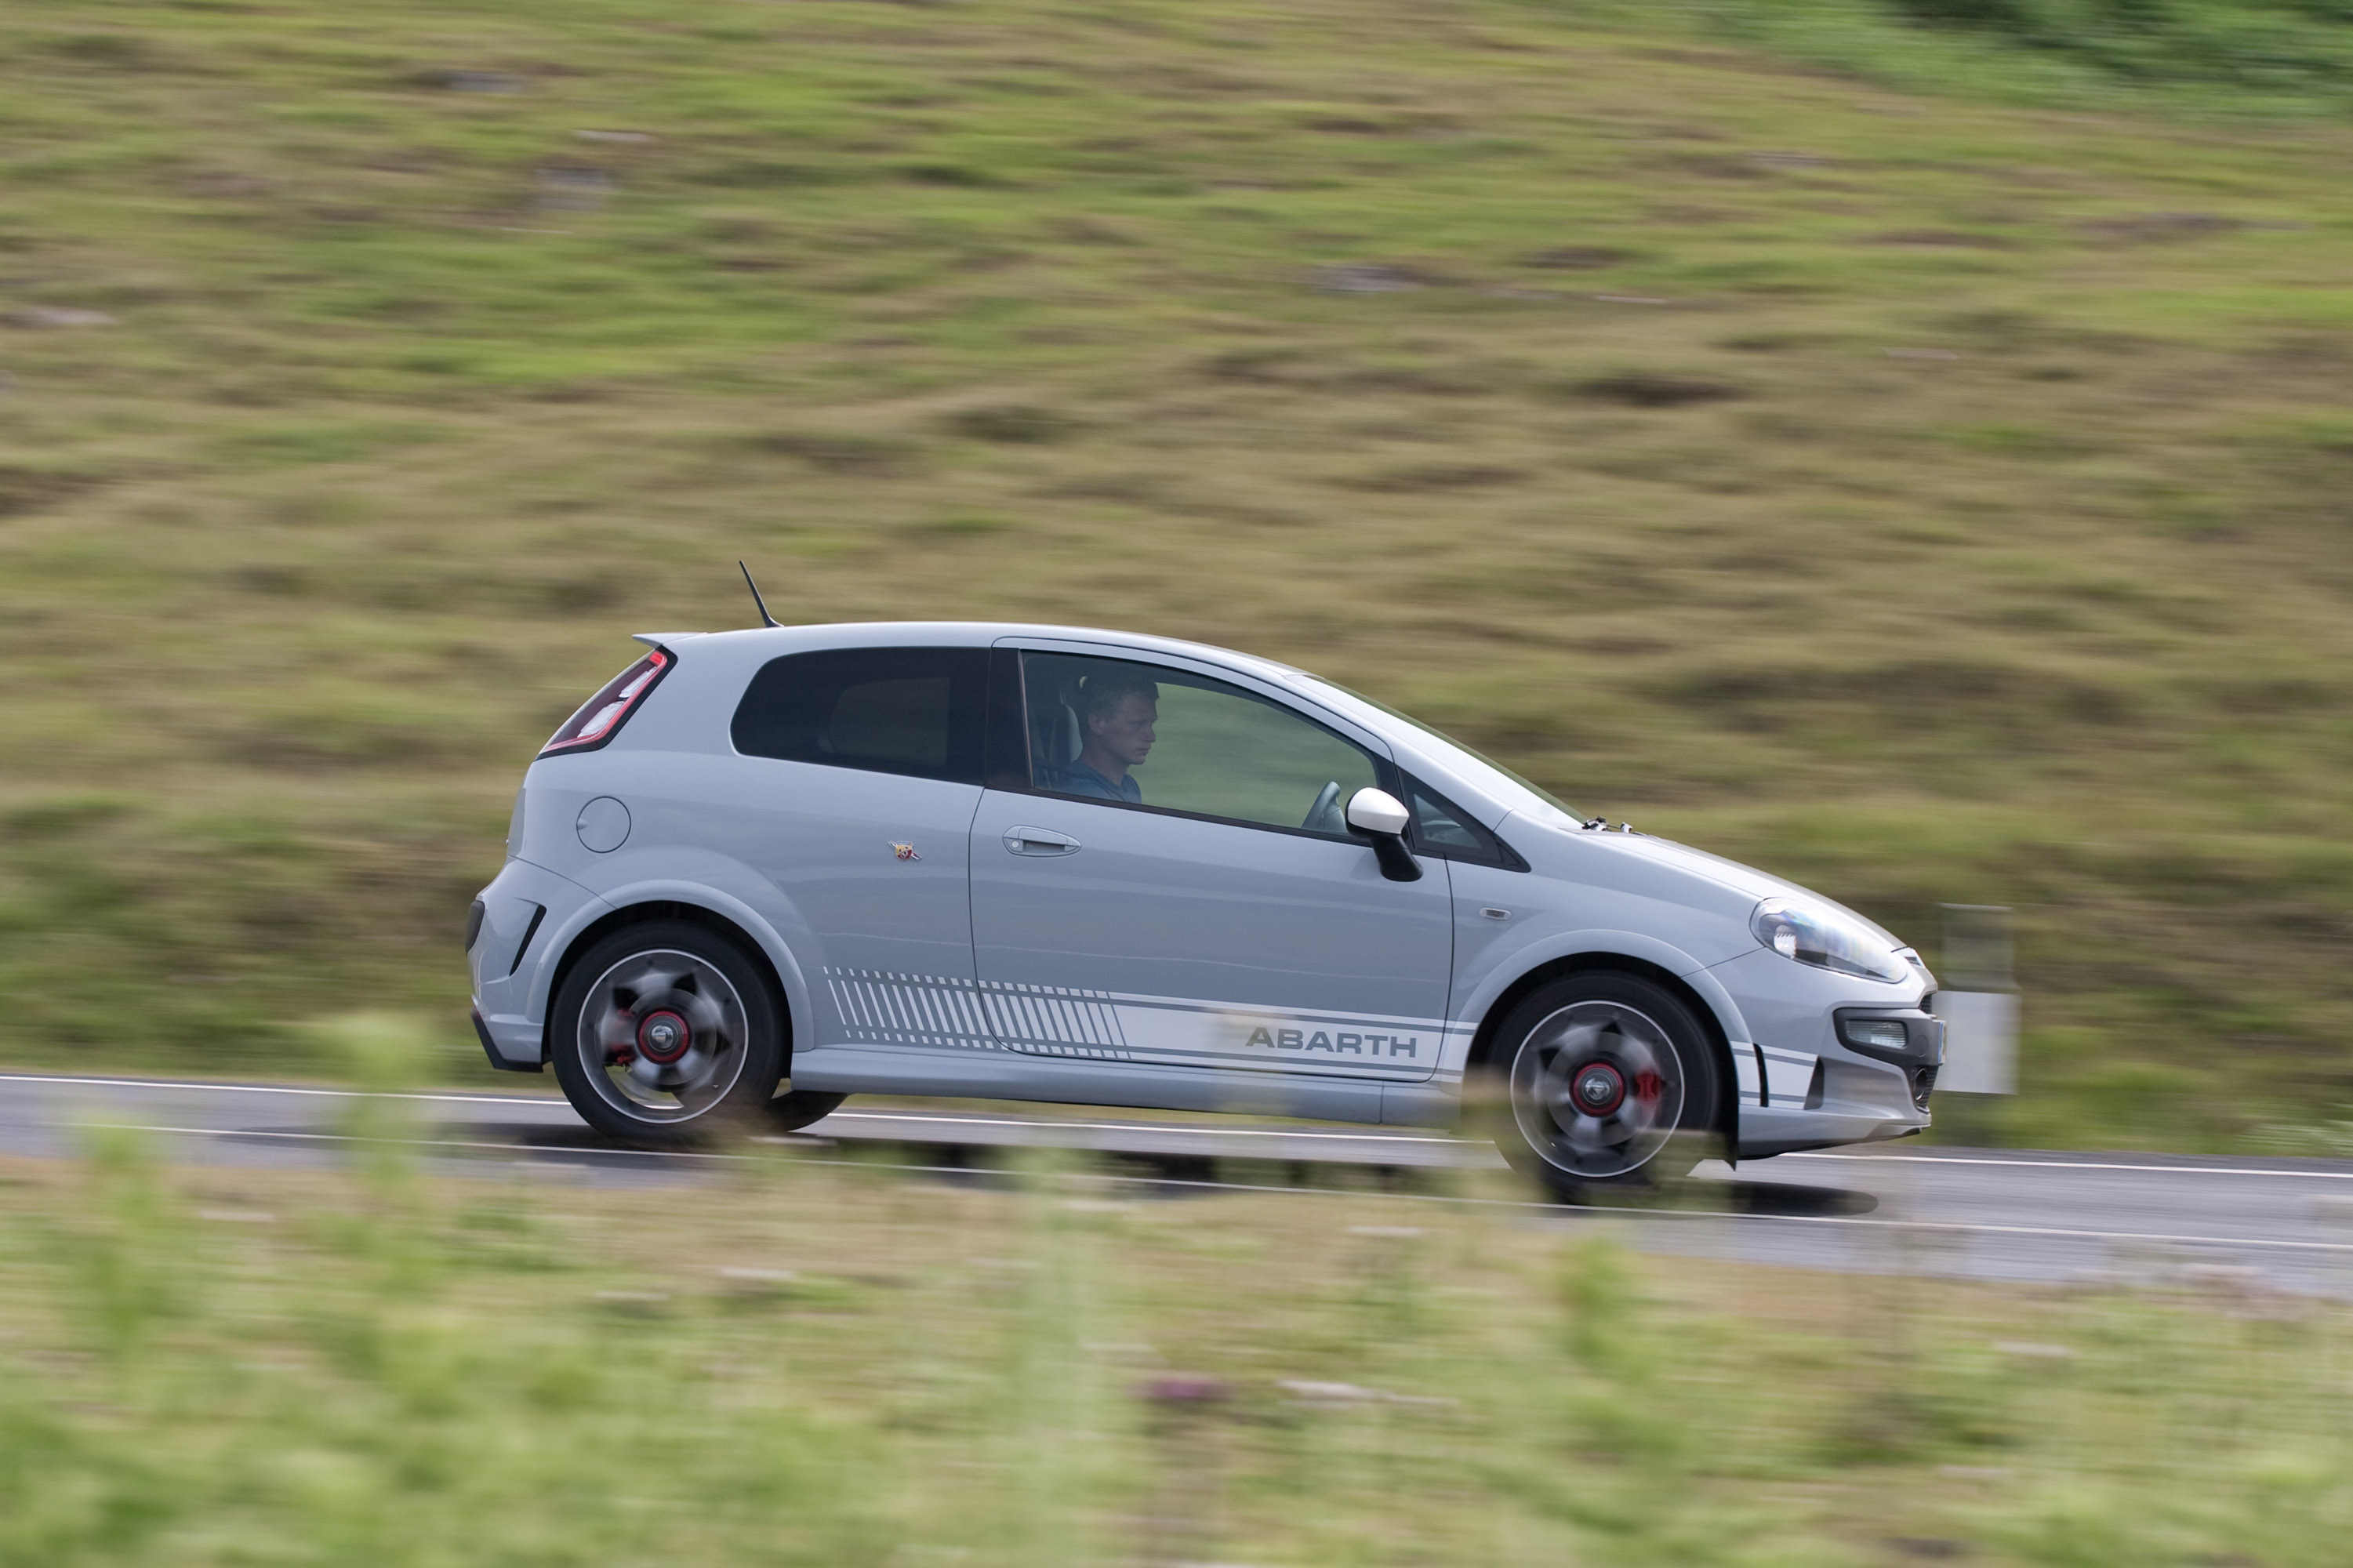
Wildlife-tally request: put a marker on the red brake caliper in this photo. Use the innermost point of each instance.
(1648, 1087)
(622, 1055)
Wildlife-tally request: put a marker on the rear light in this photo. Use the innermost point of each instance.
(601, 717)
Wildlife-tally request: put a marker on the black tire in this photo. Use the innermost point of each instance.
(796, 1108)
(1601, 1082)
(667, 1035)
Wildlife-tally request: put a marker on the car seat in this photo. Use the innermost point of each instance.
(1053, 730)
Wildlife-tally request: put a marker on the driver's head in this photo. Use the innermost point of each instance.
(1118, 710)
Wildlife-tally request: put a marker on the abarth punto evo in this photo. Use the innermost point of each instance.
(765, 869)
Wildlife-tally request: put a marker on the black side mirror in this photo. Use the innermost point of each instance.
(1378, 814)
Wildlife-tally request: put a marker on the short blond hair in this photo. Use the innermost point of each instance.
(1101, 694)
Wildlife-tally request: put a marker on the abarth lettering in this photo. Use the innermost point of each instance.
(1355, 1044)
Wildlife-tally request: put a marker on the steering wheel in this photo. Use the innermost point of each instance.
(1324, 815)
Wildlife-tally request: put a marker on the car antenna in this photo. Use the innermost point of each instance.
(766, 619)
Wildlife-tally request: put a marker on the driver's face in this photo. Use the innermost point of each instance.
(1127, 733)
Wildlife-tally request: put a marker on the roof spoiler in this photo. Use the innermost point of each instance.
(656, 639)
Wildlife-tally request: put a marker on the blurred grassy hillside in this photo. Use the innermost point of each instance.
(1932, 498)
(2227, 57)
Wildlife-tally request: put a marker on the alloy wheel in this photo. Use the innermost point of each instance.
(1596, 1090)
(662, 1036)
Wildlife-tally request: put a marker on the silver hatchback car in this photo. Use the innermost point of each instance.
(765, 869)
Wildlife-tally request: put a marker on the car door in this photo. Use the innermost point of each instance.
(862, 770)
(1200, 901)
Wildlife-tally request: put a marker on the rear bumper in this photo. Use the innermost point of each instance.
(527, 911)
(499, 1059)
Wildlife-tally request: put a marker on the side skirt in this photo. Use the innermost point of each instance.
(881, 1069)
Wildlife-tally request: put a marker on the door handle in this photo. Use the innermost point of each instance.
(1040, 841)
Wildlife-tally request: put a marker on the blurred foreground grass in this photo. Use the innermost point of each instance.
(796, 1364)
(1932, 499)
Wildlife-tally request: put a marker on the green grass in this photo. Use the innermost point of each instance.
(1932, 498)
(2228, 58)
(792, 1364)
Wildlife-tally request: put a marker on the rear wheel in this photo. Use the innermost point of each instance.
(667, 1034)
(1601, 1081)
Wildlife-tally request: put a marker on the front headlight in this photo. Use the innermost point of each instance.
(1811, 933)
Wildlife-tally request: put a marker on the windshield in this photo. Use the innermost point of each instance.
(1541, 793)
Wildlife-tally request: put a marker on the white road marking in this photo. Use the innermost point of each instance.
(281, 1089)
(553, 1103)
(2227, 1241)
(421, 1142)
(2078, 1165)
(1947, 1226)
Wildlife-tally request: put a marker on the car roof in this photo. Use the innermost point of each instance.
(972, 634)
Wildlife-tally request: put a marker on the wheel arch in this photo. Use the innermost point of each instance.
(671, 909)
(1725, 1117)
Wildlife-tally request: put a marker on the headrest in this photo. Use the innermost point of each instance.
(1053, 732)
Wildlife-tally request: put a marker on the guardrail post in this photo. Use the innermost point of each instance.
(1978, 999)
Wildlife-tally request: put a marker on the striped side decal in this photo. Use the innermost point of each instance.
(1791, 1079)
(881, 1007)
(889, 1007)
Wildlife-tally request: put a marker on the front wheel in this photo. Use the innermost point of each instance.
(1605, 1081)
(665, 1034)
(797, 1107)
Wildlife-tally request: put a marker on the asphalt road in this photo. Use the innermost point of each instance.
(2241, 1225)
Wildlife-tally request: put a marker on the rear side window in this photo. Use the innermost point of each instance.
(601, 717)
(913, 710)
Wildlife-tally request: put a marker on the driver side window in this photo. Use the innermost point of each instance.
(1127, 733)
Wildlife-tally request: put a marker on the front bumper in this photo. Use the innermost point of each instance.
(1803, 1086)
(1909, 1039)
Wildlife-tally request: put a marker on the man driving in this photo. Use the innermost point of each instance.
(1116, 712)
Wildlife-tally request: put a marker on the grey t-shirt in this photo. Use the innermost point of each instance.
(1080, 779)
